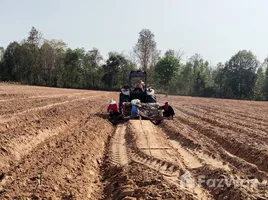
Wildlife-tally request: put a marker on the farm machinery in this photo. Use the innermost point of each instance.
(143, 99)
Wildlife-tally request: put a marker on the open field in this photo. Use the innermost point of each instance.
(57, 144)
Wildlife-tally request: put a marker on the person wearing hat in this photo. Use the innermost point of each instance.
(135, 113)
(150, 95)
(124, 96)
(112, 109)
(168, 111)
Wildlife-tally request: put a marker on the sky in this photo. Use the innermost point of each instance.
(216, 29)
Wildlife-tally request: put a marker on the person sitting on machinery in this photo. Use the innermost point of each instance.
(124, 96)
(168, 111)
(135, 113)
(151, 98)
(113, 109)
(140, 86)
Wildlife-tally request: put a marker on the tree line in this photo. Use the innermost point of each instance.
(37, 61)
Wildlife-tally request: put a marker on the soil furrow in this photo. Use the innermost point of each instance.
(247, 152)
(246, 120)
(63, 166)
(58, 144)
(254, 137)
(237, 125)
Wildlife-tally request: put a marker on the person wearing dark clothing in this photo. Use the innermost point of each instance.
(168, 110)
(124, 96)
(151, 98)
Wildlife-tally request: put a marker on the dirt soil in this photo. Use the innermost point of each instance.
(58, 144)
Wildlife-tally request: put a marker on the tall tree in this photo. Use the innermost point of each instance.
(184, 81)
(145, 48)
(30, 64)
(112, 67)
(91, 64)
(240, 72)
(265, 86)
(47, 62)
(35, 37)
(2, 50)
(201, 75)
(59, 48)
(11, 67)
(259, 85)
(72, 72)
(165, 71)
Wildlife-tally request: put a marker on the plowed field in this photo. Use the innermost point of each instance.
(58, 144)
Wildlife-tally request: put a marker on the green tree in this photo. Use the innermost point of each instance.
(72, 71)
(219, 79)
(165, 71)
(112, 68)
(265, 84)
(2, 51)
(185, 80)
(201, 76)
(91, 71)
(1, 61)
(59, 49)
(30, 64)
(240, 74)
(11, 67)
(47, 61)
(259, 86)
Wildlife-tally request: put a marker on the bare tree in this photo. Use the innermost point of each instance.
(131, 56)
(175, 53)
(145, 48)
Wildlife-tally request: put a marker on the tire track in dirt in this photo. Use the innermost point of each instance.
(140, 178)
(220, 158)
(150, 136)
(202, 147)
(160, 161)
(147, 147)
(213, 167)
(118, 149)
(190, 137)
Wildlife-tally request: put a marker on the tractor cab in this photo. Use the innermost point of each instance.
(137, 86)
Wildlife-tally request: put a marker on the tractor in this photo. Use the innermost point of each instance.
(147, 105)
